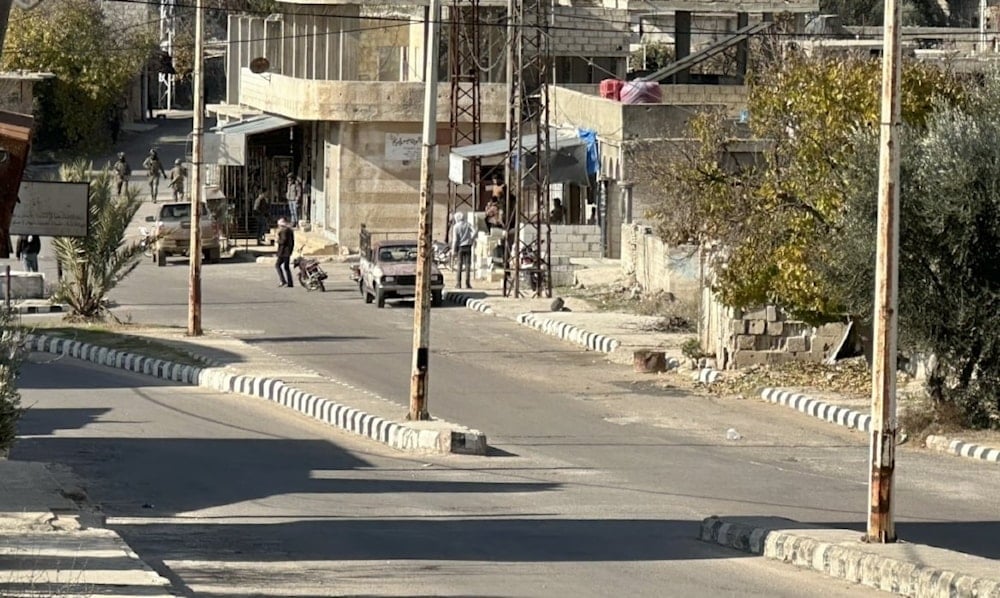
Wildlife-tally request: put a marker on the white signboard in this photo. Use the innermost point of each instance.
(403, 147)
(51, 209)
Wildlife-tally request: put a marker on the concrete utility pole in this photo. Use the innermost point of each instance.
(881, 526)
(194, 282)
(421, 307)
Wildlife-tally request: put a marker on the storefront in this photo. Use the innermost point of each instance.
(255, 156)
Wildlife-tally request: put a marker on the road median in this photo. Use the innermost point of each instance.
(434, 436)
(900, 568)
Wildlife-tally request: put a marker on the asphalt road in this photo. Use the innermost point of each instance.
(230, 496)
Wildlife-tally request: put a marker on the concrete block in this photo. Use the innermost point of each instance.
(756, 326)
(755, 314)
(796, 344)
(23, 285)
(775, 328)
(738, 326)
(746, 342)
(767, 342)
(772, 313)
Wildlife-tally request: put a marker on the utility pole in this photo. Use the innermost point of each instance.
(421, 307)
(881, 526)
(194, 282)
(5, 6)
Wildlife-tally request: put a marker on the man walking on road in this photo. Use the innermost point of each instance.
(178, 176)
(154, 170)
(122, 171)
(462, 238)
(286, 243)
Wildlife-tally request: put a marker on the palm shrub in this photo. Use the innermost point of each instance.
(11, 344)
(93, 265)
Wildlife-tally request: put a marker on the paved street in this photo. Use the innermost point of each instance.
(236, 497)
(596, 484)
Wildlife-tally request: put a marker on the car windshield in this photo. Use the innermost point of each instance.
(398, 253)
(179, 211)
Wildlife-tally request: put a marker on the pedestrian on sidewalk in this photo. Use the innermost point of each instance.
(286, 244)
(293, 195)
(260, 208)
(121, 171)
(178, 176)
(28, 248)
(462, 239)
(154, 170)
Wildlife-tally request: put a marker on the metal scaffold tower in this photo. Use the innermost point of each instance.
(464, 55)
(529, 69)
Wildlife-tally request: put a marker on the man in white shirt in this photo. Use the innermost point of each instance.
(463, 236)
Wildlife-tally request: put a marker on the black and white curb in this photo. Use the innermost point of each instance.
(825, 411)
(568, 332)
(963, 449)
(707, 375)
(52, 308)
(417, 437)
(837, 554)
(466, 300)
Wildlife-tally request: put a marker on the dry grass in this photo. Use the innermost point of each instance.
(675, 315)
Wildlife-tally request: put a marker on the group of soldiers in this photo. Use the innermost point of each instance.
(121, 170)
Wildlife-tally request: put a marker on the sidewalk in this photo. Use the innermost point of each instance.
(616, 334)
(48, 547)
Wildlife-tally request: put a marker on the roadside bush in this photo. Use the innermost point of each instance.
(949, 250)
(11, 353)
(93, 265)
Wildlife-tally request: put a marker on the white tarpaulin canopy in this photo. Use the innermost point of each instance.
(567, 160)
(227, 145)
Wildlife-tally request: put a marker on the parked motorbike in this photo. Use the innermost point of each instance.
(442, 255)
(311, 275)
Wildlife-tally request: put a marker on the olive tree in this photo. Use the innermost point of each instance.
(949, 264)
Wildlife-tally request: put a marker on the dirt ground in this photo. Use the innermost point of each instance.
(846, 383)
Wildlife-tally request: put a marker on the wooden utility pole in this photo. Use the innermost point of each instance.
(421, 307)
(881, 526)
(194, 282)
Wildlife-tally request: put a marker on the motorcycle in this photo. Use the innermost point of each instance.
(311, 275)
(442, 255)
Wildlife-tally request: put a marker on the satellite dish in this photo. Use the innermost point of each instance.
(259, 65)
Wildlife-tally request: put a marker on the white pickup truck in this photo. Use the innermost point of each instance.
(173, 231)
(390, 272)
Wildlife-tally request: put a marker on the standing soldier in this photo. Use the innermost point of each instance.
(178, 175)
(154, 170)
(293, 195)
(122, 172)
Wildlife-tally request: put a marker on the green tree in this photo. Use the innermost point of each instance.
(770, 214)
(93, 61)
(93, 265)
(949, 263)
(11, 353)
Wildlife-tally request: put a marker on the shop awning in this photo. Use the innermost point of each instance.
(227, 145)
(567, 162)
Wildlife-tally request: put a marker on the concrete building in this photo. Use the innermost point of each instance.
(340, 103)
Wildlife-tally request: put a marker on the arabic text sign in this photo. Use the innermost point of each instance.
(51, 209)
(403, 147)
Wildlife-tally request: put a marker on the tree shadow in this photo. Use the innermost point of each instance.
(38, 422)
